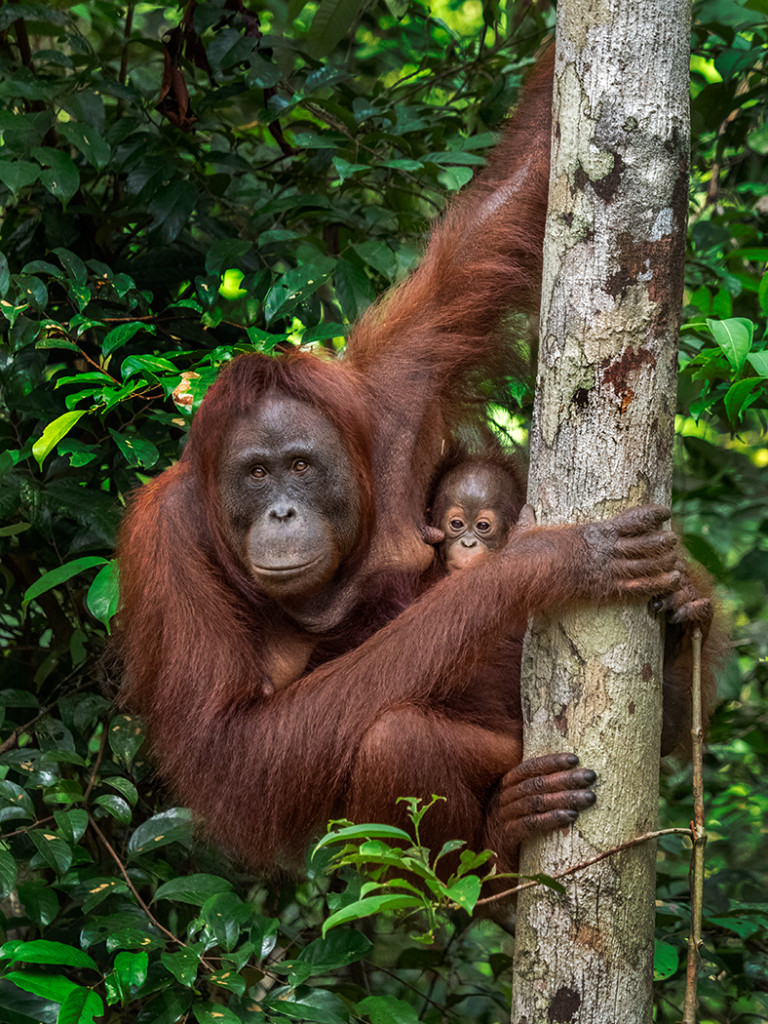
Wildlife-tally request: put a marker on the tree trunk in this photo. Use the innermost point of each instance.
(601, 442)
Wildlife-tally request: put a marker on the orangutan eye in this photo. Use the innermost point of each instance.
(300, 466)
(258, 472)
(482, 525)
(456, 524)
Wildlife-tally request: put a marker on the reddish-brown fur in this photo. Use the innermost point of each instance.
(391, 702)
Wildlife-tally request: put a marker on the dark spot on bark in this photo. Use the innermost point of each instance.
(564, 1006)
(605, 188)
(647, 671)
(561, 723)
(631, 707)
(580, 398)
(568, 220)
(615, 372)
(580, 179)
(557, 131)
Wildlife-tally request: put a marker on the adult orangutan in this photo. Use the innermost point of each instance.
(268, 623)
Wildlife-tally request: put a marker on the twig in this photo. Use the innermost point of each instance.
(591, 860)
(699, 832)
(99, 756)
(111, 851)
(12, 740)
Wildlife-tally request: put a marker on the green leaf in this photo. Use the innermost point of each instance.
(308, 1004)
(55, 577)
(131, 968)
(741, 395)
(734, 337)
(104, 594)
(195, 889)
(759, 362)
(370, 831)
(40, 902)
(53, 850)
(125, 737)
(226, 254)
(174, 825)
(296, 285)
(72, 824)
(333, 20)
(387, 1010)
(85, 138)
(137, 451)
(228, 980)
(329, 953)
(48, 986)
(5, 275)
(122, 334)
(43, 951)
(81, 1006)
(371, 905)
(17, 174)
(172, 207)
(53, 433)
(183, 965)
(8, 872)
(214, 1013)
(465, 892)
(665, 960)
(63, 178)
(116, 806)
(377, 255)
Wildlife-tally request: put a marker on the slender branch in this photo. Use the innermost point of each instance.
(99, 756)
(698, 829)
(637, 841)
(111, 851)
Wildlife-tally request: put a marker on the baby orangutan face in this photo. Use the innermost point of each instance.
(475, 508)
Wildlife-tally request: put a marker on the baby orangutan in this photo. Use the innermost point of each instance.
(475, 506)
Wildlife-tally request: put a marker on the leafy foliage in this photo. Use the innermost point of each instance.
(181, 182)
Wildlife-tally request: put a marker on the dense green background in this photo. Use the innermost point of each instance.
(135, 251)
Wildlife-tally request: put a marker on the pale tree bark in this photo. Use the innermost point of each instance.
(601, 442)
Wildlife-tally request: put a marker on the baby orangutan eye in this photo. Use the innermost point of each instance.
(483, 525)
(456, 524)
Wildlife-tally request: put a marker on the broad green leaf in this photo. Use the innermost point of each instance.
(172, 207)
(224, 914)
(43, 951)
(125, 737)
(122, 334)
(137, 451)
(665, 960)
(759, 362)
(72, 824)
(227, 979)
(40, 902)
(116, 806)
(465, 892)
(387, 1010)
(48, 986)
(333, 20)
(330, 953)
(296, 285)
(53, 433)
(53, 850)
(183, 965)
(62, 179)
(308, 1004)
(734, 337)
(377, 255)
(741, 395)
(131, 968)
(84, 137)
(371, 905)
(370, 831)
(225, 254)
(104, 594)
(174, 825)
(17, 174)
(55, 577)
(5, 276)
(195, 889)
(8, 872)
(81, 1006)
(215, 1013)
